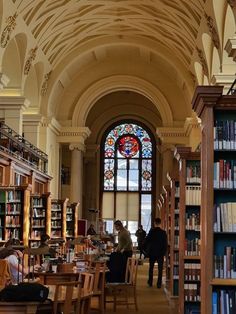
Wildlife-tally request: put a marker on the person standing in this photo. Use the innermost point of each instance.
(124, 250)
(140, 234)
(156, 241)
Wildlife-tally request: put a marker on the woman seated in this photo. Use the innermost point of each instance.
(14, 259)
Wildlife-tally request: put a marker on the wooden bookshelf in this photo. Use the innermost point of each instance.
(58, 218)
(174, 233)
(167, 227)
(189, 229)
(71, 227)
(40, 214)
(218, 116)
(14, 209)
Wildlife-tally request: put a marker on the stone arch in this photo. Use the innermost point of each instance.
(117, 83)
(199, 73)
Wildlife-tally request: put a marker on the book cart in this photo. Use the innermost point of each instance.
(218, 219)
(189, 230)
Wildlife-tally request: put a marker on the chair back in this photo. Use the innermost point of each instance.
(131, 271)
(5, 273)
(67, 295)
(66, 267)
(86, 280)
(99, 277)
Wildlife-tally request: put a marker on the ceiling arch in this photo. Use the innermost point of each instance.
(116, 83)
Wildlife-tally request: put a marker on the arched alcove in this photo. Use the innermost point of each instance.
(208, 48)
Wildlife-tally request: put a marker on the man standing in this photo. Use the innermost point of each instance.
(140, 234)
(156, 240)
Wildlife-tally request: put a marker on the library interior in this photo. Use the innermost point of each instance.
(117, 127)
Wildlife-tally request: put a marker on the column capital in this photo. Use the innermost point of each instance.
(77, 146)
(172, 135)
(4, 80)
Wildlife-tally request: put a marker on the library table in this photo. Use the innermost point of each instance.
(19, 307)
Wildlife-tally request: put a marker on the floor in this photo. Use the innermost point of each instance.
(150, 300)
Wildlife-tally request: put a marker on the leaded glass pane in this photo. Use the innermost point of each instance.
(146, 209)
(133, 164)
(122, 164)
(133, 180)
(146, 175)
(121, 180)
(109, 174)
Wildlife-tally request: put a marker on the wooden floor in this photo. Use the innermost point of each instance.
(150, 300)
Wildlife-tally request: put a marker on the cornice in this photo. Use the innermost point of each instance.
(73, 134)
(30, 119)
(52, 124)
(77, 146)
(14, 103)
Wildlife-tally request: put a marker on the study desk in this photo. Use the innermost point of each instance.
(18, 307)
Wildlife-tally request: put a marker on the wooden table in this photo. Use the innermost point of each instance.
(18, 307)
(47, 278)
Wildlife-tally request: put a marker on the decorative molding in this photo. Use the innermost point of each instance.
(4, 80)
(32, 119)
(212, 30)
(14, 103)
(6, 33)
(73, 135)
(52, 124)
(32, 56)
(77, 146)
(202, 61)
(45, 83)
(230, 47)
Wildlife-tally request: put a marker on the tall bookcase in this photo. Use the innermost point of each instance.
(71, 227)
(58, 218)
(189, 229)
(218, 219)
(14, 213)
(40, 212)
(174, 234)
(167, 226)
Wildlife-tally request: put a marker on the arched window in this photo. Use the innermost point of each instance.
(128, 176)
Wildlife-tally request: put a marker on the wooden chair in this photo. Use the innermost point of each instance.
(67, 297)
(99, 284)
(124, 293)
(87, 282)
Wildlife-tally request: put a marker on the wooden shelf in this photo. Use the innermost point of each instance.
(223, 282)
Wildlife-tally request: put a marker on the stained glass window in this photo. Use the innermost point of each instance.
(128, 164)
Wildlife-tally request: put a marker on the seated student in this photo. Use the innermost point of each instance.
(91, 230)
(44, 244)
(14, 258)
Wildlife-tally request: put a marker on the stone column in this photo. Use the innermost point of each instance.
(77, 173)
(11, 111)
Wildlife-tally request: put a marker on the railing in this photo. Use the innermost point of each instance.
(232, 89)
(17, 146)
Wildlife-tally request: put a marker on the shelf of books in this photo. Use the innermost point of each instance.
(72, 211)
(218, 271)
(167, 227)
(174, 234)
(58, 217)
(40, 211)
(14, 207)
(189, 230)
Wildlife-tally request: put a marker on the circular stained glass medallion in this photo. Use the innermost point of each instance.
(128, 146)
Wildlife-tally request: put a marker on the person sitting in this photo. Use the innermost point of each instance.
(14, 259)
(91, 230)
(44, 244)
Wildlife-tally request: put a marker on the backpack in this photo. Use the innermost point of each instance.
(24, 291)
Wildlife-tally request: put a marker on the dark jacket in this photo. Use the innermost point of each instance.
(156, 242)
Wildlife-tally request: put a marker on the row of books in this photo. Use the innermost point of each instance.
(55, 233)
(192, 271)
(56, 207)
(10, 196)
(56, 215)
(39, 212)
(12, 233)
(176, 272)
(56, 224)
(224, 301)
(225, 134)
(12, 208)
(192, 221)
(225, 174)
(36, 234)
(38, 223)
(225, 217)
(176, 258)
(192, 292)
(192, 247)
(177, 191)
(38, 202)
(193, 172)
(176, 241)
(225, 265)
(13, 221)
(193, 195)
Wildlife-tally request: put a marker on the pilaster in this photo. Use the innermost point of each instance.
(31, 128)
